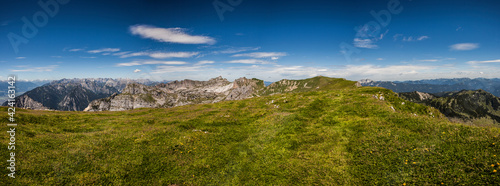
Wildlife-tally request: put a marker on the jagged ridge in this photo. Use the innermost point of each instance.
(178, 93)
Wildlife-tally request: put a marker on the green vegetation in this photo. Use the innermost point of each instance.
(337, 134)
(148, 98)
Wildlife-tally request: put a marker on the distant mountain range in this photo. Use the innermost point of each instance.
(438, 85)
(178, 93)
(21, 87)
(466, 105)
(71, 94)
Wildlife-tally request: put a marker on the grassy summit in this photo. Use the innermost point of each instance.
(335, 134)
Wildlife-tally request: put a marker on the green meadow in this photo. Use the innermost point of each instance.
(330, 136)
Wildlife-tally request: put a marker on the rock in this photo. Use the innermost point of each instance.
(178, 93)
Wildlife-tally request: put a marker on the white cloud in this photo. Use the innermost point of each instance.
(134, 54)
(423, 38)
(204, 62)
(134, 63)
(75, 49)
(351, 72)
(380, 59)
(20, 57)
(153, 62)
(104, 50)
(364, 43)
(35, 69)
(233, 50)
(136, 70)
(121, 53)
(249, 61)
(273, 55)
(169, 35)
(382, 35)
(169, 69)
(92, 57)
(487, 61)
(464, 46)
(164, 62)
(161, 55)
(409, 38)
(428, 60)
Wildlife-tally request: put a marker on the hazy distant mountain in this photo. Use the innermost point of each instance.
(72, 94)
(438, 85)
(21, 87)
(466, 104)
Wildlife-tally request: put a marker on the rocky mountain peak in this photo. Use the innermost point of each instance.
(416, 96)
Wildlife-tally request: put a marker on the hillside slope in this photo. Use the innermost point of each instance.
(339, 136)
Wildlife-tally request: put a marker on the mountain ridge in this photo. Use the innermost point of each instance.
(71, 94)
(185, 92)
(438, 85)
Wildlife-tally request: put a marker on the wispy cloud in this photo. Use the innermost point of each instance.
(169, 35)
(104, 50)
(161, 55)
(423, 38)
(380, 59)
(75, 49)
(135, 54)
(153, 62)
(428, 60)
(366, 39)
(233, 50)
(85, 57)
(170, 69)
(481, 62)
(20, 57)
(409, 38)
(136, 70)
(273, 55)
(121, 53)
(464, 46)
(204, 62)
(365, 43)
(249, 61)
(35, 69)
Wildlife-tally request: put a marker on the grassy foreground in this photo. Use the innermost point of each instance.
(328, 137)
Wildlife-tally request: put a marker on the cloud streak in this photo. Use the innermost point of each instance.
(36, 69)
(161, 55)
(171, 69)
(273, 55)
(103, 50)
(365, 43)
(249, 61)
(204, 62)
(464, 46)
(169, 35)
(482, 62)
(153, 62)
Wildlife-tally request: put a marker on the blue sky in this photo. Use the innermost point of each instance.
(270, 40)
